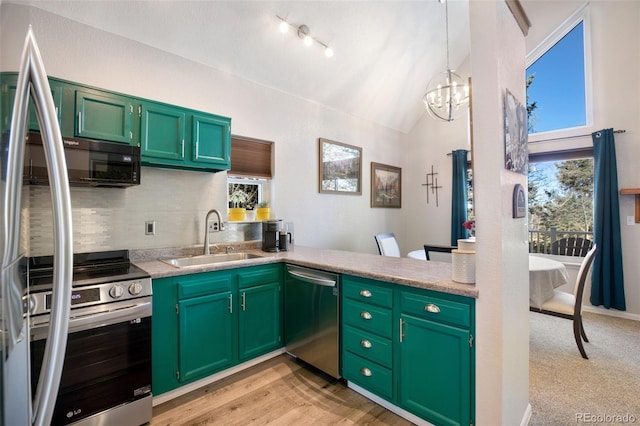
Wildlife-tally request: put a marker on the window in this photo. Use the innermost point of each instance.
(250, 173)
(558, 79)
(560, 198)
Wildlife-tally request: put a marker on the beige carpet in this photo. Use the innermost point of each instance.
(566, 389)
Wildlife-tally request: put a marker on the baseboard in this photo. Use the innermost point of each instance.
(157, 400)
(389, 406)
(610, 312)
(527, 416)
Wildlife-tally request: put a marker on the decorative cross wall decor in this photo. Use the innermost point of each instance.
(432, 183)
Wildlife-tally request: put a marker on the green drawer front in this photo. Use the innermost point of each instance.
(436, 309)
(200, 285)
(368, 346)
(261, 275)
(362, 289)
(370, 318)
(368, 374)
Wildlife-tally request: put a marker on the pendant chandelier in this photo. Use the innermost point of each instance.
(447, 95)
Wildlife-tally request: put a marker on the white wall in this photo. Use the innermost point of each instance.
(86, 55)
(502, 320)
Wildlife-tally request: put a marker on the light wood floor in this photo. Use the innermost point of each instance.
(280, 391)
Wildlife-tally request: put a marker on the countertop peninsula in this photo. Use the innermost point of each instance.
(403, 271)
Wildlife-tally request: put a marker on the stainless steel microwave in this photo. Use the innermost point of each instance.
(89, 162)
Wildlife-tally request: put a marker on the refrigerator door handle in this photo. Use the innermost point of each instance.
(33, 78)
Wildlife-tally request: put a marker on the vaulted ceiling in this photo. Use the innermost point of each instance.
(385, 51)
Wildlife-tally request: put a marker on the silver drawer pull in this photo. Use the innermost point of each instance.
(365, 293)
(365, 372)
(365, 315)
(434, 309)
(365, 344)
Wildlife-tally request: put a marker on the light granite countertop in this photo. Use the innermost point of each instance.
(403, 271)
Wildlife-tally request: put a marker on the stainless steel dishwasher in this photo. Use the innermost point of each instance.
(311, 315)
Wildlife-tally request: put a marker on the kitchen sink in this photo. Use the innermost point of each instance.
(209, 259)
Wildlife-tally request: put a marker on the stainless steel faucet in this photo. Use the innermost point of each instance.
(206, 228)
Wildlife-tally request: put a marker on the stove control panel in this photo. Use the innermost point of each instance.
(40, 302)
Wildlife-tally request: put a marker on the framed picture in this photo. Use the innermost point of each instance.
(340, 168)
(519, 202)
(516, 155)
(242, 194)
(386, 185)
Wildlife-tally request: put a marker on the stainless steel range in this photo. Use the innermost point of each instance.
(106, 377)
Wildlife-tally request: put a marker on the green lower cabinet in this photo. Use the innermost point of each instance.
(412, 347)
(259, 320)
(208, 322)
(434, 374)
(205, 338)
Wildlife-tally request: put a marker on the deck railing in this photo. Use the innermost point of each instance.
(541, 241)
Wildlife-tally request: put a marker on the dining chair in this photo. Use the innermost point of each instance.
(437, 249)
(388, 245)
(569, 306)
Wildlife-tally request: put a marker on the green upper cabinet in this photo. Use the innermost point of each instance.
(204, 145)
(162, 131)
(103, 115)
(211, 140)
(8, 91)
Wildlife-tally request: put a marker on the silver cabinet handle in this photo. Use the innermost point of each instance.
(365, 372)
(365, 315)
(434, 309)
(79, 122)
(365, 344)
(231, 303)
(365, 293)
(401, 330)
(244, 300)
(197, 150)
(182, 148)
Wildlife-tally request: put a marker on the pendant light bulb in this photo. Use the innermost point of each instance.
(284, 27)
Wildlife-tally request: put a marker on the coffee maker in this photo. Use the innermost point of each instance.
(270, 235)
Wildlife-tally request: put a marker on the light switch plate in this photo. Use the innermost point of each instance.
(631, 220)
(150, 227)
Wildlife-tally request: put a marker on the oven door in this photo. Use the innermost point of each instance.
(107, 365)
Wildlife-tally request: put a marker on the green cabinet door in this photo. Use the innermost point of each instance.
(105, 116)
(9, 85)
(162, 132)
(259, 320)
(211, 140)
(164, 336)
(434, 379)
(205, 337)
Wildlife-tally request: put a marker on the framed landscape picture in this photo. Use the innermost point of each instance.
(386, 185)
(340, 168)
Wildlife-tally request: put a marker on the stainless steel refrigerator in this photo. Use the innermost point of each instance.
(18, 406)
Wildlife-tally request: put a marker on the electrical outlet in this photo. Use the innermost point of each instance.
(631, 220)
(150, 227)
(213, 227)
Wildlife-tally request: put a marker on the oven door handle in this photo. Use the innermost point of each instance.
(101, 319)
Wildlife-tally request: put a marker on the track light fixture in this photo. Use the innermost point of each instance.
(304, 34)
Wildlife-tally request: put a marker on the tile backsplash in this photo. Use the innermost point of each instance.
(114, 218)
